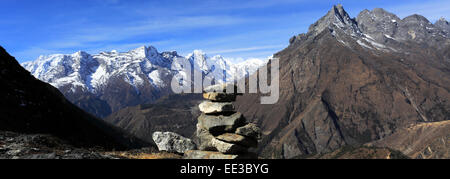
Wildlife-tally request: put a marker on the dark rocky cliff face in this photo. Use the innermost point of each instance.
(349, 82)
(28, 105)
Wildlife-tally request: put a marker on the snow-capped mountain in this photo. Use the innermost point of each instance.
(119, 79)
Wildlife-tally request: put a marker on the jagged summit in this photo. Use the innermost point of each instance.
(378, 29)
(338, 18)
(443, 24)
(416, 18)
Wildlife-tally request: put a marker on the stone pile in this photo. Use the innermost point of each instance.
(223, 133)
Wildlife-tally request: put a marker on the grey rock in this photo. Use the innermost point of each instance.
(197, 154)
(227, 148)
(209, 107)
(378, 23)
(443, 24)
(384, 26)
(217, 125)
(72, 156)
(203, 139)
(14, 152)
(219, 97)
(238, 139)
(223, 88)
(41, 156)
(336, 18)
(249, 130)
(172, 142)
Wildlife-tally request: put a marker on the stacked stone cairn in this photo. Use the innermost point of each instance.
(223, 133)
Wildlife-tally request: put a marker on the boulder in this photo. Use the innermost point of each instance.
(249, 130)
(172, 142)
(238, 139)
(217, 125)
(219, 97)
(227, 148)
(209, 107)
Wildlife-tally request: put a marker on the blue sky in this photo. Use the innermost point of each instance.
(236, 29)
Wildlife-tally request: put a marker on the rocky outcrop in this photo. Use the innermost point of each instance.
(223, 133)
(420, 141)
(43, 146)
(443, 24)
(172, 142)
(337, 16)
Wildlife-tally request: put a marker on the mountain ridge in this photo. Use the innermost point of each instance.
(31, 106)
(347, 82)
(139, 76)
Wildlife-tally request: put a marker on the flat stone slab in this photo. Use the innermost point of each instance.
(227, 148)
(209, 107)
(198, 154)
(172, 142)
(219, 97)
(249, 130)
(222, 88)
(238, 139)
(220, 124)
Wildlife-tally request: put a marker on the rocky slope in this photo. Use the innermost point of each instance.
(175, 113)
(351, 81)
(40, 146)
(106, 82)
(350, 152)
(29, 106)
(421, 141)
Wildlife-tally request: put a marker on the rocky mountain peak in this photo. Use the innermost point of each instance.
(416, 18)
(336, 18)
(443, 24)
(378, 23)
(170, 55)
(377, 14)
(199, 58)
(81, 54)
(145, 51)
(197, 53)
